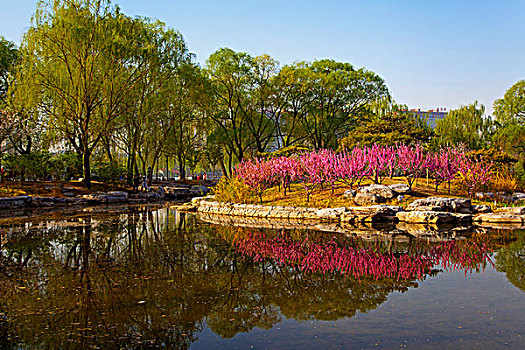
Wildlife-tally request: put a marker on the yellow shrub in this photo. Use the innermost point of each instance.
(234, 190)
(503, 181)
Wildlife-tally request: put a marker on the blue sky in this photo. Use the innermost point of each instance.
(431, 53)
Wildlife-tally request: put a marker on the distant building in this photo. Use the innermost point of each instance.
(430, 116)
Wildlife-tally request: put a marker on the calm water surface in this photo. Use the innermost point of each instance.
(153, 278)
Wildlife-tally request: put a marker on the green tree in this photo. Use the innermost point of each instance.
(189, 98)
(262, 106)
(385, 123)
(144, 129)
(466, 125)
(341, 92)
(511, 108)
(8, 57)
(510, 121)
(231, 75)
(79, 61)
(511, 260)
(293, 103)
(322, 99)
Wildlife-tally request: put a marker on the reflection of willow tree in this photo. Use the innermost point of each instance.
(511, 260)
(109, 285)
(147, 278)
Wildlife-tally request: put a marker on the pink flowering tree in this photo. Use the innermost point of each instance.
(257, 174)
(329, 162)
(311, 172)
(412, 161)
(352, 166)
(443, 165)
(381, 162)
(285, 171)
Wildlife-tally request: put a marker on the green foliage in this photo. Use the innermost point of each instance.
(386, 126)
(511, 108)
(32, 167)
(284, 152)
(466, 125)
(79, 61)
(8, 58)
(323, 97)
(511, 261)
(109, 172)
(65, 166)
(510, 117)
(234, 190)
(40, 166)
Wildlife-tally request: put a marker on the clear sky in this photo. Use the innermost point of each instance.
(431, 53)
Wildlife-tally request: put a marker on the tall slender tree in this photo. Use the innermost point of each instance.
(79, 61)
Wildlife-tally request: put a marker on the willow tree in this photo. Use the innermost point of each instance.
(466, 125)
(79, 61)
(190, 101)
(144, 128)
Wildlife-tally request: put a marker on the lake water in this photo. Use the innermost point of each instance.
(154, 278)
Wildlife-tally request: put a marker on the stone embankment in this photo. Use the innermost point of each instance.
(427, 211)
(156, 193)
(369, 231)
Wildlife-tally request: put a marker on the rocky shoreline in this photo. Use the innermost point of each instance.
(155, 194)
(427, 211)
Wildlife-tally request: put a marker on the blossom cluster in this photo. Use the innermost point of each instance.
(320, 168)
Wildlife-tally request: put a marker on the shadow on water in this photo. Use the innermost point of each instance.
(158, 278)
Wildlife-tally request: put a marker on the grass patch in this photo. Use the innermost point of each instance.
(325, 198)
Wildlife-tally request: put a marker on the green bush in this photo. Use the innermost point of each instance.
(32, 167)
(109, 172)
(42, 166)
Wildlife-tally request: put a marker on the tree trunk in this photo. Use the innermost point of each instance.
(182, 167)
(87, 169)
(223, 168)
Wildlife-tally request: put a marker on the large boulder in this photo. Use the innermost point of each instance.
(98, 197)
(518, 196)
(399, 188)
(443, 204)
(109, 197)
(513, 210)
(500, 217)
(349, 193)
(14, 202)
(378, 190)
(116, 197)
(482, 208)
(367, 199)
(330, 214)
(374, 213)
(432, 217)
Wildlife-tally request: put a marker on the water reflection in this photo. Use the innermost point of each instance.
(158, 278)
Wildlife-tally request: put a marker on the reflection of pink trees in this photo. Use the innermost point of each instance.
(361, 262)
